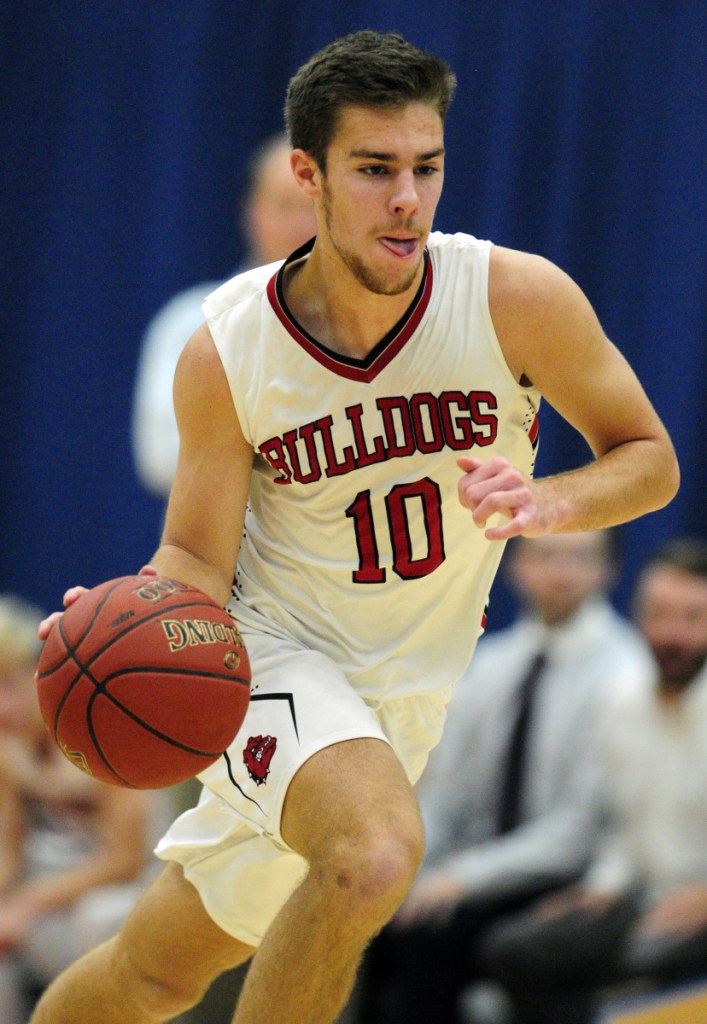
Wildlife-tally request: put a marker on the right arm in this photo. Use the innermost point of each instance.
(207, 503)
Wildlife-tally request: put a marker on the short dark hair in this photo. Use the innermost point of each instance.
(366, 68)
(686, 554)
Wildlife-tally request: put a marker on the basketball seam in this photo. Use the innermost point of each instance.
(101, 689)
(149, 728)
(72, 647)
(156, 670)
(97, 745)
(83, 667)
(69, 646)
(72, 654)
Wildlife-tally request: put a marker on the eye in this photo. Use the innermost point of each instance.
(374, 170)
(426, 170)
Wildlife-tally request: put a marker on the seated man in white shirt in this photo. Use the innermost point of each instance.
(275, 218)
(504, 827)
(640, 911)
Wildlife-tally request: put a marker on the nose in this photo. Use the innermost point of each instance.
(404, 199)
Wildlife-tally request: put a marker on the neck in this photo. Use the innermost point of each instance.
(553, 618)
(677, 675)
(338, 310)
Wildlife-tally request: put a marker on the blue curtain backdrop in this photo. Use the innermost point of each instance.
(578, 132)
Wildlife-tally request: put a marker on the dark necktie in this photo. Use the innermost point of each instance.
(512, 768)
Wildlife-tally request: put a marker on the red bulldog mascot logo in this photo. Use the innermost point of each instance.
(257, 756)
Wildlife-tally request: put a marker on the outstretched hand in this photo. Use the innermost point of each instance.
(73, 594)
(496, 486)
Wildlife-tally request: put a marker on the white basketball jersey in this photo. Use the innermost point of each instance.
(355, 543)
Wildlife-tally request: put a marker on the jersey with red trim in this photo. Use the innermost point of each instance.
(355, 542)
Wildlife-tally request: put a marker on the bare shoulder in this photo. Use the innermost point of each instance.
(530, 283)
(199, 359)
(202, 396)
(532, 302)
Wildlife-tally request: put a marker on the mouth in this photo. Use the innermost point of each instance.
(403, 248)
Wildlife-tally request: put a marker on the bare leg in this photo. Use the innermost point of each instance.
(352, 814)
(160, 963)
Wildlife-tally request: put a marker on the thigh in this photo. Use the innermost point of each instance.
(231, 843)
(300, 703)
(354, 791)
(169, 930)
(244, 877)
(304, 723)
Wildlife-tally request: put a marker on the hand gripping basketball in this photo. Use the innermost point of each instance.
(143, 681)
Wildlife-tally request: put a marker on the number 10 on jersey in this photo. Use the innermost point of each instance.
(404, 503)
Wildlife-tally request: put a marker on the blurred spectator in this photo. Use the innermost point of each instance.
(277, 218)
(74, 853)
(640, 912)
(509, 799)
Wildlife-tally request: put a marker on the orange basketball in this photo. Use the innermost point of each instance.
(143, 682)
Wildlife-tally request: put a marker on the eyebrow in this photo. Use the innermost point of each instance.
(370, 154)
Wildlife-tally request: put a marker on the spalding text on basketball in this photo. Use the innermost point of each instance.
(190, 632)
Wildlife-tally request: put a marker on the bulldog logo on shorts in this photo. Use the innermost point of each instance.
(257, 756)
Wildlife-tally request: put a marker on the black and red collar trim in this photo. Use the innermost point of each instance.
(363, 370)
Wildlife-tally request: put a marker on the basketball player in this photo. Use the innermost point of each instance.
(362, 424)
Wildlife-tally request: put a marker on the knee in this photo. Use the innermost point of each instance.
(370, 871)
(156, 988)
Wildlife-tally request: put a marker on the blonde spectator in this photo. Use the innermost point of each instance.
(73, 852)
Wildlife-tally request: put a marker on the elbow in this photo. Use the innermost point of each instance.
(661, 482)
(669, 477)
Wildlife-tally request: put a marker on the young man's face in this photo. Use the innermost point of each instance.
(378, 196)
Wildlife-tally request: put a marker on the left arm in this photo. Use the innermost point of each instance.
(552, 338)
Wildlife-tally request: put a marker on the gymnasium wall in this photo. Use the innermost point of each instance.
(577, 132)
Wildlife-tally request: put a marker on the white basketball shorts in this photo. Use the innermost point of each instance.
(230, 844)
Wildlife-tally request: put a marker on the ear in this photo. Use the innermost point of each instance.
(306, 172)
